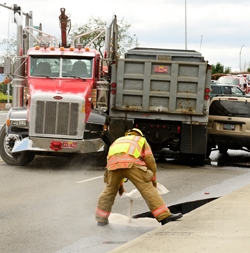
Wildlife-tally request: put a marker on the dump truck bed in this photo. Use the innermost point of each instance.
(162, 81)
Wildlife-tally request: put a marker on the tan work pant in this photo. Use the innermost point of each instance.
(140, 176)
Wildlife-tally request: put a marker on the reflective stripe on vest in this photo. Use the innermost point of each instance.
(123, 159)
(131, 145)
(159, 210)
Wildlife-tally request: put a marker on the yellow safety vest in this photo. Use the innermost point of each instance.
(130, 144)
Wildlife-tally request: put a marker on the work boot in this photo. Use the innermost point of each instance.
(103, 223)
(172, 217)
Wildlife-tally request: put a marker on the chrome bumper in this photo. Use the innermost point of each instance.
(58, 145)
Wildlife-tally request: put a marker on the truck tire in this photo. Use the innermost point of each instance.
(209, 150)
(118, 127)
(108, 138)
(192, 159)
(199, 159)
(100, 158)
(222, 149)
(6, 145)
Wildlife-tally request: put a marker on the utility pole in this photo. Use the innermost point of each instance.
(201, 42)
(240, 56)
(185, 24)
(18, 81)
(18, 19)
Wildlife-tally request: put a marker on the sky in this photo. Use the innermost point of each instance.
(218, 29)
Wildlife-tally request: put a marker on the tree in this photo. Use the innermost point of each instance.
(11, 45)
(227, 70)
(219, 68)
(4, 88)
(124, 40)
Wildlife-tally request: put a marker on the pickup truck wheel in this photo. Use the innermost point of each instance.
(209, 150)
(223, 149)
(7, 142)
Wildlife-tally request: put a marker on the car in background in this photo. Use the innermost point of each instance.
(225, 89)
(232, 79)
(228, 124)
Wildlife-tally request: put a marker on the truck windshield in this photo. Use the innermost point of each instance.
(61, 67)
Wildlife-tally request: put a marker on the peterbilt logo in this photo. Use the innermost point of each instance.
(58, 97)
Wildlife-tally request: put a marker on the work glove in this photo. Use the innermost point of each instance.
(121, 189)
(154, 183)
(153, 179)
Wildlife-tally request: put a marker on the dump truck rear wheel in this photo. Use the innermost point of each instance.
(192, 159)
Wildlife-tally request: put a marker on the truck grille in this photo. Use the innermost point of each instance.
(57, 118)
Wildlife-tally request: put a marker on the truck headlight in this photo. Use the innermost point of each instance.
(22, 123)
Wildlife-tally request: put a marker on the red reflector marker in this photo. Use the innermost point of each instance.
(113, 85)
(206, 97)
(56, 145)
(207, 90)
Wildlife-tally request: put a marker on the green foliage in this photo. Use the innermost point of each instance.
(4, 98)
(4, 88)
(227, 70)
(4, 93)
(219, 68)
(124, 40)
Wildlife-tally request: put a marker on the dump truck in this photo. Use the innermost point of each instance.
(163, 92)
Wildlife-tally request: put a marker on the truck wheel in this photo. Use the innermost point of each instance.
(209, 150)
(198, 160)
(100, 158)
(192, 159)
(7, 142)
(119, 127)
(222, 149)
(108, 138)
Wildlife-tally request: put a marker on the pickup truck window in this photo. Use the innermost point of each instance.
(230, 108)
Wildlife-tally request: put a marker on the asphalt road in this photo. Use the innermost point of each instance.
(49, 205)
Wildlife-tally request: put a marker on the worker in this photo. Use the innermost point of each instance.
(245, 88)
(131, 157)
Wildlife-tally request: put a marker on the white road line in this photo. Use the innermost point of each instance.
(87, 180)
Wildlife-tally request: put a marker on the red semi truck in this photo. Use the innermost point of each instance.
(56, 89)
(75, 107)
